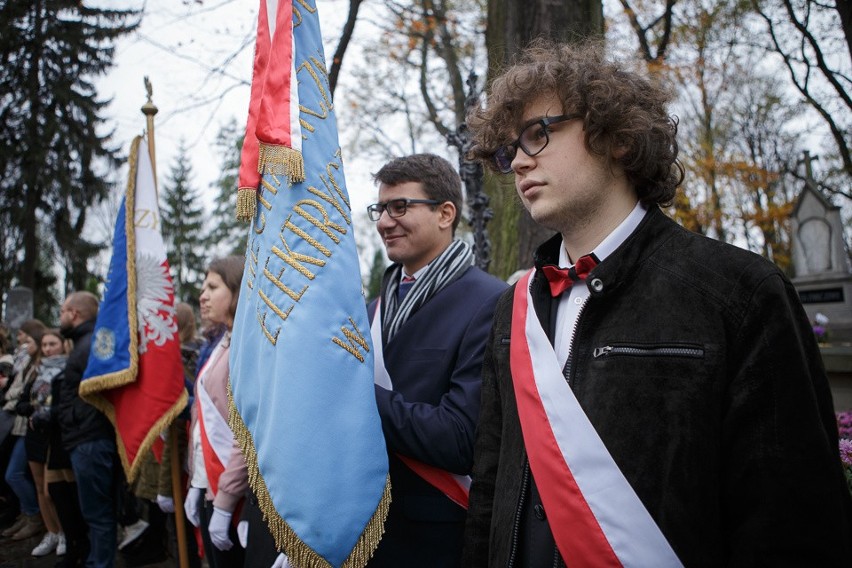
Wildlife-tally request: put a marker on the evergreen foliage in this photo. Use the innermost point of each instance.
(227, 234)
(54, 149)
(377, 270)
(182, 222)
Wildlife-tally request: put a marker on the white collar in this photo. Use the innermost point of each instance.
(614, 239)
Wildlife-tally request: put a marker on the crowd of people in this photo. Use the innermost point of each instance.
(62, 478)
(643, 396)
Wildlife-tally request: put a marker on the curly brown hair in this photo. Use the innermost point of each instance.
(621, 111)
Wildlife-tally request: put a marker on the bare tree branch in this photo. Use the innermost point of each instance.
(343, 44)
(802, 85)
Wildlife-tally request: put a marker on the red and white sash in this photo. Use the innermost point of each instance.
(217, 440)
(595, 515)
(455, 487)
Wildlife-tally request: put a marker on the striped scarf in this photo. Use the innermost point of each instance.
(445, 269)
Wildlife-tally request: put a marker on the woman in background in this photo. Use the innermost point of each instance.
(27, 358)
(37, 441)
(218, 475)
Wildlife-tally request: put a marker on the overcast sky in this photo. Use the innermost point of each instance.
(198, 57)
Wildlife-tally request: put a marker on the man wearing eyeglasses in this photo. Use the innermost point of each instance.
(650, 397)
(429, 327)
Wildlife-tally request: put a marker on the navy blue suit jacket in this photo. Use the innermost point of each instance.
(435, 363)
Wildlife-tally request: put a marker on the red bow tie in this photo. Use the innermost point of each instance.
(560, 279)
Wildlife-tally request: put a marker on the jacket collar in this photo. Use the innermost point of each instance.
(616, 269)
(84, 328)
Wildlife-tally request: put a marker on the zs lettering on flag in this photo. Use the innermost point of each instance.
(318, 73)
(146, 219)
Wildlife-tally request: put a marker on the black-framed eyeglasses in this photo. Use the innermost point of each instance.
(395, 207)
(532, 140)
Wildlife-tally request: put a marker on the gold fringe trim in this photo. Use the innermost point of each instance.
(246, 203)
(277, 159)
(92, 389)
(298, 553)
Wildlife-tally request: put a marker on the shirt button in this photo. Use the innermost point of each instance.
(538, 510)
(578, 301)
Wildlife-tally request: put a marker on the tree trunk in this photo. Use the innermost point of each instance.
(511, 26)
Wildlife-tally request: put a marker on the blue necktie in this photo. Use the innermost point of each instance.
(404, 287)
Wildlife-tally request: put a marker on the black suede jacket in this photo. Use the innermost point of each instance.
(79, 421)
(732, 448)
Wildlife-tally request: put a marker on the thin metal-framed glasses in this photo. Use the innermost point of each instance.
(395, 207)
(532, 140)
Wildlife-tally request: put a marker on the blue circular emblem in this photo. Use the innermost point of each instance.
(104, 344)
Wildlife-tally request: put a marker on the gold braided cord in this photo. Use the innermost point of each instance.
(277, 159)
(298, 553)
(246, 203)
(92, 389)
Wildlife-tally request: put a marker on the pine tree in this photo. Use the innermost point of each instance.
(54, 149)
(227, 234)
(377, 270)
(182, 216)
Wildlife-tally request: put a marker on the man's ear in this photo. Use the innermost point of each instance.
(447, 211)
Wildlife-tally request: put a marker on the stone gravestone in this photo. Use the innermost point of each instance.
(19, 307)
(824, 281)
(822, 274)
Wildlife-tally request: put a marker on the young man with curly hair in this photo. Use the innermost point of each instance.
(651, 397)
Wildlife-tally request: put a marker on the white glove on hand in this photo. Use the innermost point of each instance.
(166, 504)
(242, 533)
(281, 562)
(220, 523)
(190, 505)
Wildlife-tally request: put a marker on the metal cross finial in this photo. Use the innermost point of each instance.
(471, 174)
(808, 160)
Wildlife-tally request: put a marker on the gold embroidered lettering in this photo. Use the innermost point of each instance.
(321, 225)
(308, 239)
(296, 259)
(273, 339)
(296, 296)
(335, 201)
(263, 201)
(146, 219)
(354, 340)
(269, 187)
(307, 6)
(278, 311)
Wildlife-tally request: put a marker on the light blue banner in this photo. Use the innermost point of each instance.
(301, 355)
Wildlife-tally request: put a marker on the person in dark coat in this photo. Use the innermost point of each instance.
(651, 396)
(430, 324)
(87, 434)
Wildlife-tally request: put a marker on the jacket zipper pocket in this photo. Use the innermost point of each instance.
(688, 351)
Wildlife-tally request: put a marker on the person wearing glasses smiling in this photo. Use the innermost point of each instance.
(429, 327)
(650, 396)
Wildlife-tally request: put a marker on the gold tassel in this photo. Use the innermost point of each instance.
(281, 160)
(246, 203)
(299, 553)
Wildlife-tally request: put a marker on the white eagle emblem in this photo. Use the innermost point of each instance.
(155, 311)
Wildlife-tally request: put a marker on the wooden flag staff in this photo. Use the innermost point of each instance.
(149, 110)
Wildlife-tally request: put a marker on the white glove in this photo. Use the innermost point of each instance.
(242, 533)
(166, 504)
(218, 528)
(190, 505)
(281, 562)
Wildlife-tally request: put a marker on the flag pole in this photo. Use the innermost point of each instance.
(149, 109)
